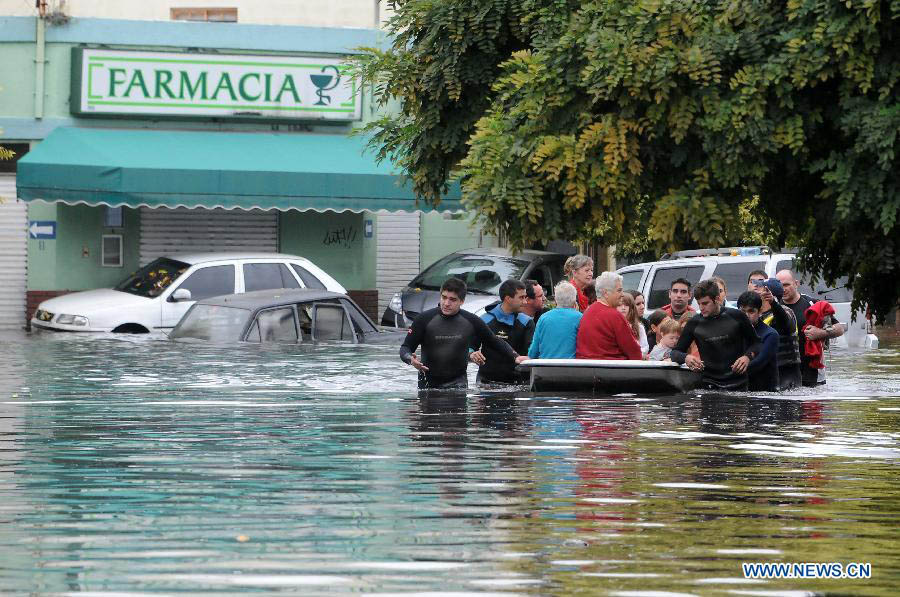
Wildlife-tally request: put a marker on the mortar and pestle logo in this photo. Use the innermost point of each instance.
(322, 84)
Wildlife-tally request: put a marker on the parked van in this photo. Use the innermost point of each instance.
(734, 265)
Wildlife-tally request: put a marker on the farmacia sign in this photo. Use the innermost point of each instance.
(119, 82)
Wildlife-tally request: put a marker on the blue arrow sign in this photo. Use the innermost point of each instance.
(42, 230)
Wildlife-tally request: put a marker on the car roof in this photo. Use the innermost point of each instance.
(528, 254)
(261, 299)
(194, 258)
(713, 259)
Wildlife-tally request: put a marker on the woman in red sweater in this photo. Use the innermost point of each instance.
(603, 332)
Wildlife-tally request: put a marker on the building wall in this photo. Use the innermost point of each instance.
(331, 13)
(334, 241)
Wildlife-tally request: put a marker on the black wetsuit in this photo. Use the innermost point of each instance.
(445, 343)
(783, 321)
(721, 339)
(517, 329)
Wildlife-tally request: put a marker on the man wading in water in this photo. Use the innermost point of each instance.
(726, 340)
(445, 334)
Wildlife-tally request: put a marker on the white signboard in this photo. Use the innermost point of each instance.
(118, 82)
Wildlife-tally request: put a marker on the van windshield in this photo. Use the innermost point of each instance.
(482, 274)
(152, 279)
(839, 293)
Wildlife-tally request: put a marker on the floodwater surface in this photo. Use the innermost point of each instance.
(136, 465)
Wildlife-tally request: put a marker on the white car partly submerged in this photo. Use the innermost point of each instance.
(155, 297)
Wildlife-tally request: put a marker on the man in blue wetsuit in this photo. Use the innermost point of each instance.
(509, 324)
(445, 335)
(763, 369)
(725, 338)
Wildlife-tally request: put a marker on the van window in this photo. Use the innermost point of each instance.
(736, 274)
(632, 280)
(836, 294)
(662, 279)
(309, 280)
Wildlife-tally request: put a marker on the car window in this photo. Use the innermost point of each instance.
(838, 293)
(309, 280)
(210, 281)
(275, 325)
(213, 323)
(541, 275)
(662, 279)
(632, 280)
(330, 322)
(153, 278)
(556, 272)
(483, 274)
(736, 274)
(360, 322)
(266, 276)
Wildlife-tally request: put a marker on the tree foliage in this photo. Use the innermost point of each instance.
(612, 120)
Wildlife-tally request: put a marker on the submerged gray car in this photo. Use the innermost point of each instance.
(282, 316)
(483, 270)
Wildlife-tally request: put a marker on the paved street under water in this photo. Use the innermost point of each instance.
(135, 465)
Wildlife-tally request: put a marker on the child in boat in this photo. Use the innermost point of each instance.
(667, 334)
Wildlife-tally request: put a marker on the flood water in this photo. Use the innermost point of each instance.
(136, 465)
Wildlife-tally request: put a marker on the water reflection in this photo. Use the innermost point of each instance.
(138, 465)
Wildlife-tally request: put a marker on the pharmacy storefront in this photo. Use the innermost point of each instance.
(189, 151)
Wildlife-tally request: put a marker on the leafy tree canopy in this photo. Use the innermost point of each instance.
(663, 120)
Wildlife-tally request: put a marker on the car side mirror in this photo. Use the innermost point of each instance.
(180, 295)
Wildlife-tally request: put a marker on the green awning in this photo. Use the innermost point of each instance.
(214, 169)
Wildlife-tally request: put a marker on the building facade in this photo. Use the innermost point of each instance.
(151, 137)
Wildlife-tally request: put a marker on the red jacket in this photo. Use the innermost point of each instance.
(815, 316)
(668, 310)
(604, 334)
(582, 301)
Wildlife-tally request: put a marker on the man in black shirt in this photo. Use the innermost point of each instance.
(725, 338)
(799, 303)
(535, 299)
(445, 334)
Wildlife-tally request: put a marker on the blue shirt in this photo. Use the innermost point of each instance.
(554, 337)
(763, 369)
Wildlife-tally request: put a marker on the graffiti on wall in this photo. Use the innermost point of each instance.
(341, 237)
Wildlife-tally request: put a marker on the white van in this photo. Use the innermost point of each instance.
(734, 265)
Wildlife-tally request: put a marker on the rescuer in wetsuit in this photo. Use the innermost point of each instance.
(726, 340)
(445, 334)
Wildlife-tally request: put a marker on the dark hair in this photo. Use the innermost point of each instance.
(757, 272)
(510, 288)
(529, 287)
(657, 316)
(749, 299)
(635, 293)
(707, 288)
(680, 281)
(456, 286)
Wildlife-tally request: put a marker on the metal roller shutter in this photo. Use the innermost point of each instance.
(398, 254)
(165, 231)
(13, 255)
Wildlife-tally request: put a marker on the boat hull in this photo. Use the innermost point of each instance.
(610, 376)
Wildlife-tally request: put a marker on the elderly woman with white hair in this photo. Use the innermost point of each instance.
(554, 336)
(604, 333)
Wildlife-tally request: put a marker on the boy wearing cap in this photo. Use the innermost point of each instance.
(783, 321)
